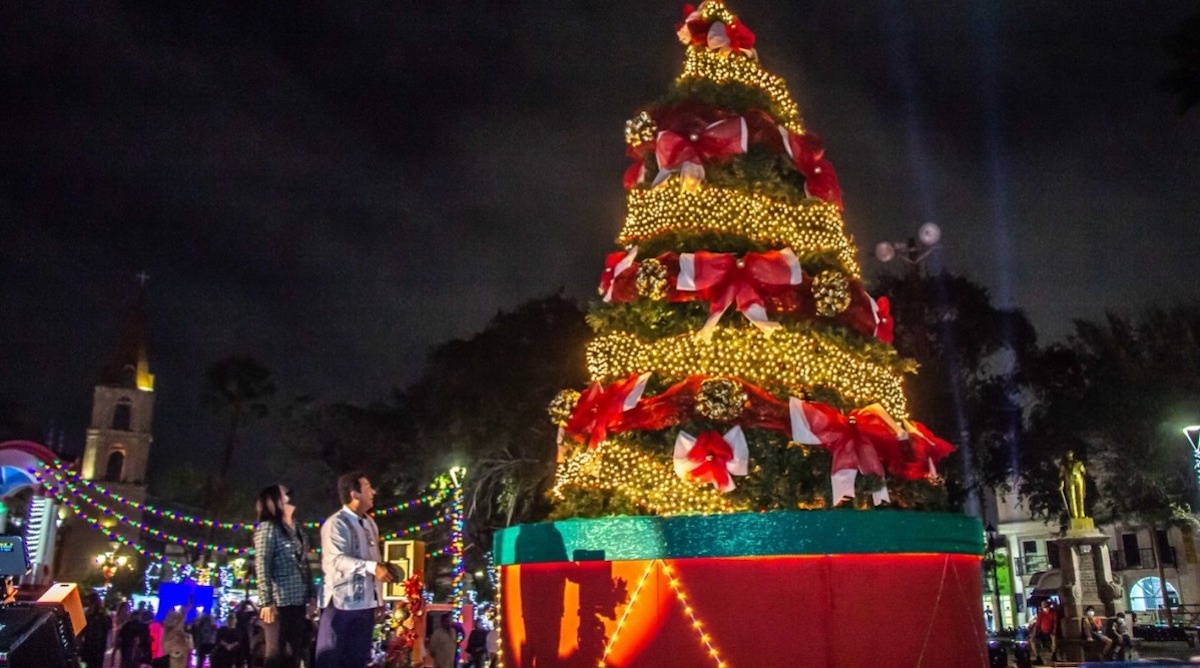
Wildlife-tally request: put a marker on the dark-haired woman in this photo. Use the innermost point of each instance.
(284, 582)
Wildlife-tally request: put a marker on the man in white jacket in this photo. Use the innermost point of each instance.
(354, 577)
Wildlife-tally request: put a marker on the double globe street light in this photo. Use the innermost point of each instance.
(912, 251)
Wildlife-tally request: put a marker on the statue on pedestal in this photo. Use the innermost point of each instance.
(1072, 485)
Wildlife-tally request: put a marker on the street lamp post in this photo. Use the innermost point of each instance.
(110, 562)
(1192, 433)
(913, 251)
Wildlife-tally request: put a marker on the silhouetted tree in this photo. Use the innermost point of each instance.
(972, 359)
(237, 390)
(1118, 393)
(481, 402)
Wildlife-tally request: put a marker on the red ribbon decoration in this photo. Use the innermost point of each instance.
(600, 408)
(688, 153)
(926, 451)
(857, 441)
(724, 279)
(885, 327)
(807, 153)
(711, 458)
(615, 265)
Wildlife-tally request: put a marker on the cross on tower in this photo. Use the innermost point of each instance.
(142, 277)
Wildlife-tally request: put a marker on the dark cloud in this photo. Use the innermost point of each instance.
(334, 188)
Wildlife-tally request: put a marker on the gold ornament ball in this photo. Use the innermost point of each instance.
(652, 279)
(562, 406)
(831, 292)
(721, 399)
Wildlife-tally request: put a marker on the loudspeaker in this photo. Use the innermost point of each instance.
(36, 635)
(67, 594)
(404, 558)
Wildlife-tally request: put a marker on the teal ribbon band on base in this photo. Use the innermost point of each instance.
(771, 534)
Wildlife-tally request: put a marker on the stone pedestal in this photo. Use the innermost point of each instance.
(1087, 579)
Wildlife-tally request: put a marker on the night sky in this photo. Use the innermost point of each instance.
(334, 188)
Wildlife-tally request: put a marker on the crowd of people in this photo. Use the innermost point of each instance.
(285, 629)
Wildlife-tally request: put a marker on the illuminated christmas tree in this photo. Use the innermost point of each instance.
(739, 363)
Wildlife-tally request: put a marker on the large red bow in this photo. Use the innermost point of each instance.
(600, 409)
(687, 154)
(712, 458)
(860, 441)
(807, 153)
(724, 279)
(884, 325)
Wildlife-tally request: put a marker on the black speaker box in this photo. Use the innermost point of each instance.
(36, 635)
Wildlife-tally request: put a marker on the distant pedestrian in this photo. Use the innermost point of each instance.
(93, 642)
(176, 641)
(284, 582)
(227, 648)
(1045, 626)
(133, 646)
(443, 643)
(204, 636)
(354, 577)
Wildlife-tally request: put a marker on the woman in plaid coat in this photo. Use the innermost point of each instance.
(284, 581)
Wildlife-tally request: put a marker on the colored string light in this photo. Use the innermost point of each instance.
(457, 545)
(430, 499)
(417, 528)
(131, 522)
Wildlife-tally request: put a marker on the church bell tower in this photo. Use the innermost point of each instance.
(119, 436)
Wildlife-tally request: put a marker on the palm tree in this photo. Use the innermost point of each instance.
(237, 389)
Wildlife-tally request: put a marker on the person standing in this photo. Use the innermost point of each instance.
(284, 582)
(443, 643)
(176, 641)
(227, 649)
(1046, 626)
(93, 642)
(354, 577)
(204, 636)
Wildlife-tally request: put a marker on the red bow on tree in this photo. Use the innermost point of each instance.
(884, 325)
(859, 441)
(696, 31)
(927, 450)
(712, 458)
(687, 153)
(599, 409)
(723, 279)
(615, 265)
(807, 153)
